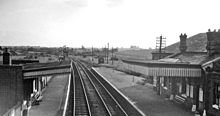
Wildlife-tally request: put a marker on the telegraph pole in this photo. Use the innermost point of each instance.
(92, 53)
(107, 53)
(160, 45)
(112, 56)
(160, 49)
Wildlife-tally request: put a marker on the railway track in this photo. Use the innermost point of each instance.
(81, 105)
(99, 100)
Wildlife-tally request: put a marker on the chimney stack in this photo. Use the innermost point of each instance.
(6, 57)
(183, 46)
(213, 42)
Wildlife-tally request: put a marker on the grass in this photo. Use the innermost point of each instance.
(144, 54)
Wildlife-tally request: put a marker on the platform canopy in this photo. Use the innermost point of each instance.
(158, 68)
(43, 69)
(174, 72)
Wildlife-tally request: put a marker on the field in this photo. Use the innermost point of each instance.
(143, 54)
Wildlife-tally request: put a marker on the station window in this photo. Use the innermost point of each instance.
(34, 85)
(183, 85)
(216, 95)
(191, 91)
(165, 81)
(179, 88)
(200, 94)
(187, 90)
(162, 81)
(179, 85)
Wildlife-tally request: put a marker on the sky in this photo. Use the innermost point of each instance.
(121, 23)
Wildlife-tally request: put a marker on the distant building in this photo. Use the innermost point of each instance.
(101, 60)
(7, 51)
(134, 48)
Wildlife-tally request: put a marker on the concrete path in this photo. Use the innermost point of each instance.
(152, 104)
(53, 98)
(143, 95)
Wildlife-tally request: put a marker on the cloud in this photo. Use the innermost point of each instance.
(97, 22)
(76, 3)
(114, 3)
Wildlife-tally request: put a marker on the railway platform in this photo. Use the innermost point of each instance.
(143, 95)
(54, 98)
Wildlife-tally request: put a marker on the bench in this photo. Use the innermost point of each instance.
(37, 97)
(180, 98)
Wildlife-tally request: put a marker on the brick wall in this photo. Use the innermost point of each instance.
(11, 87)
(213, 43)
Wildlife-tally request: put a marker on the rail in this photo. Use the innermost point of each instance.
(88, 84)
(98, 93)
(81, 104)
(113, 106)
(127, 105)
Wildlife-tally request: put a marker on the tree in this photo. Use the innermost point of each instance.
(30, 49)
(83, 47)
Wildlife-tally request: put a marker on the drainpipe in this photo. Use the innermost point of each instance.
(6, 57)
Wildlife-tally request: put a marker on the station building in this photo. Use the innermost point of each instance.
(22, 82)
(189, 77)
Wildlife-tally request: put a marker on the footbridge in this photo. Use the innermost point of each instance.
(44, 69)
